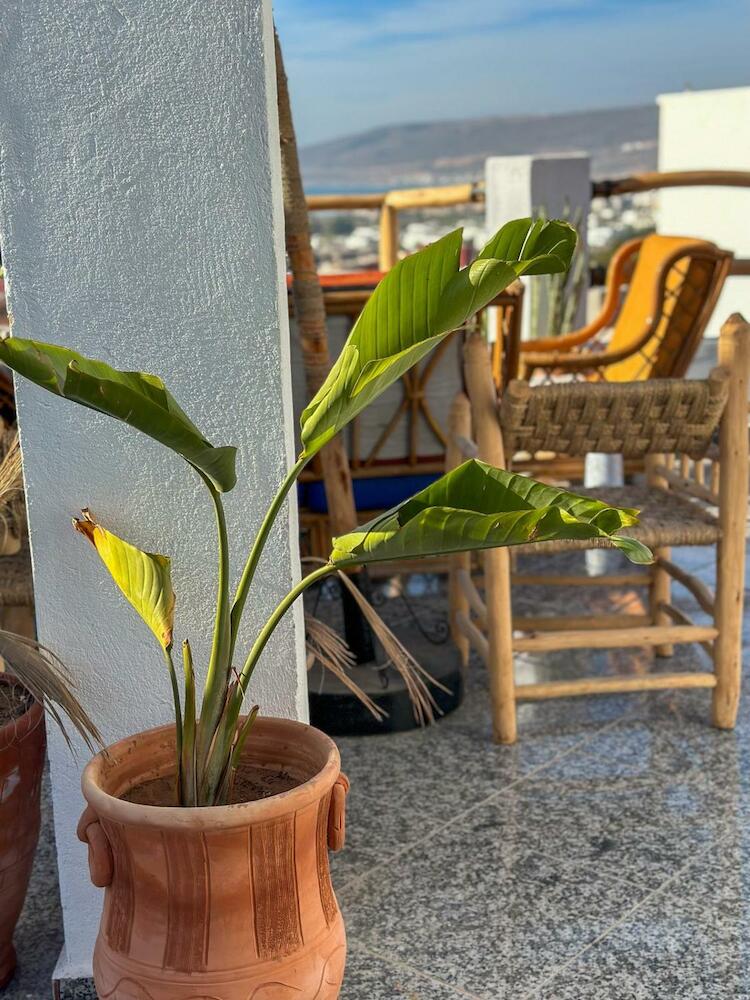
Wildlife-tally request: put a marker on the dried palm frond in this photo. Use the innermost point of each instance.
(414, 676)
(10, 468)
(326, 646)
(12, 507)
(47, 680)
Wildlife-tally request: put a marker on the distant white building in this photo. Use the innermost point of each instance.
(418, 234)
(362, 239)
(700, 130)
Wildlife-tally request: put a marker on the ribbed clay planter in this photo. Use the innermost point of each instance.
(225, 902)
(22, 744)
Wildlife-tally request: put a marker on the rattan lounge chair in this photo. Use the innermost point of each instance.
(672, 282)
(693, 436)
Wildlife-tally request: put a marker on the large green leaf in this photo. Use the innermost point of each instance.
(418, 303)
(138, 399)
(477, 507)
(145, 578)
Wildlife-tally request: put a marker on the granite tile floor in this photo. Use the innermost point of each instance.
(606, 855)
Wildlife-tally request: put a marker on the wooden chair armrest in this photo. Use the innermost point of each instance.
(553, 359)
(616, 275)
(575, 362)
(584, 360)
(565, 341)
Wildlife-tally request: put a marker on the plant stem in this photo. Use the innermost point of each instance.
(177, 716)
(257, 549)
(267, 631)
(215, 689)
(242, 736)
(224, 792)
(189, 791)
(221, 751)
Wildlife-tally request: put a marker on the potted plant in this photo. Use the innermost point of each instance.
(210, 834)
(30, 681)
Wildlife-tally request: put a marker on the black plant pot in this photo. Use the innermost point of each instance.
(335, 710)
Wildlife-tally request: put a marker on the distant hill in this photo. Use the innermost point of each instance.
(619, 141)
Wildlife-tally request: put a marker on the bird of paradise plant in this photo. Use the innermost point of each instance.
(418, 303)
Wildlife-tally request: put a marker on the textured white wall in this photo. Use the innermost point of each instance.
(141, 222)
(699, 130)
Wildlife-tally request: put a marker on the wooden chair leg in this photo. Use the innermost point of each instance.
(734, 354)
(728, 643)
(500, 634)
(459, 425)
(660, 593)
(661, 582)
(458, 605)
(488, 436)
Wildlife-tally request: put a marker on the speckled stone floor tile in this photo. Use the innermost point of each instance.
(39, 937)
(478, 918)
(370, 977)
(687, 941)
(405, 785)
(77, 989)
(634, 804)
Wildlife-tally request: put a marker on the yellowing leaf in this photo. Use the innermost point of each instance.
(145, 578)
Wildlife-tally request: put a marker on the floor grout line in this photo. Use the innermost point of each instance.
(607, 932)
(498, 793)
(356, 880)
(415, 971)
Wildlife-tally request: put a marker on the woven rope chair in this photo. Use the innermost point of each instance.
(696, 493)
(673, 284)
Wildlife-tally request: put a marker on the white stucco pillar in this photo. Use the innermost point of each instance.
(703, 130)
(519, 186)
(141, 222)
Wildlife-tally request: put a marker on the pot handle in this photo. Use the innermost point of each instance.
(337, 813)
(101, 862)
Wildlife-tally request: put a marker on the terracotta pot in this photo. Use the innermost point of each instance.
(22, 743)
(226, 902)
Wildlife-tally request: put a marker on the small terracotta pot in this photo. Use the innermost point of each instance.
(22, 743)
(225, 902)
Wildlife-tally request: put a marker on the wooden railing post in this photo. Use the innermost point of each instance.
(734, 354)
(388, 255)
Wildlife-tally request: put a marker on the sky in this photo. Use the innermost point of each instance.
(358, 64)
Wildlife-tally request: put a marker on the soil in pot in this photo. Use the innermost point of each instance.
(250, 785)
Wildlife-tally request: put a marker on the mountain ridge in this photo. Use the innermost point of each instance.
(619, 140)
